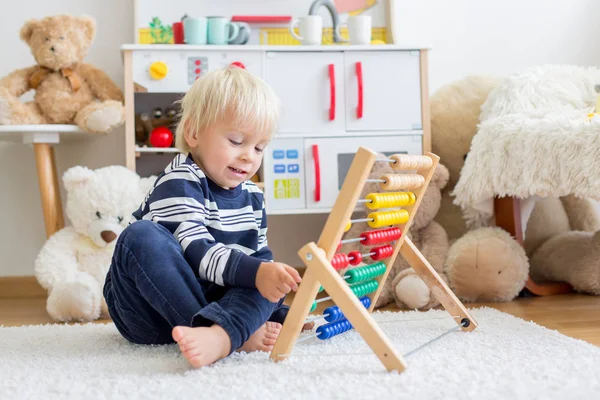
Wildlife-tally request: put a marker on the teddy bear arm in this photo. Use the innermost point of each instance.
(57, 260)
(581, 213)
(16, 83)
(434, 245)
(100, 83)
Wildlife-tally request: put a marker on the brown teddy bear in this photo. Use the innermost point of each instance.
(66, 90)
(403, 286)
(487, 264)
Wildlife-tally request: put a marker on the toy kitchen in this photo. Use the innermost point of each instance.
(334, 97)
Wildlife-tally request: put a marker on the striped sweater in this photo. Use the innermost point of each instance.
(223, 233)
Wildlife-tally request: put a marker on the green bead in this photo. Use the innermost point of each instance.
(321, 289)
(314, 306)
(364, 288)
(365, 273)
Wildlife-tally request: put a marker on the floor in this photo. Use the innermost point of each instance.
(577, 316)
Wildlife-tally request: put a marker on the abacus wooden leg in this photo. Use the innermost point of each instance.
(507, 211)
(436, 284)
(351, 307)
(299, 310)
(49, 190)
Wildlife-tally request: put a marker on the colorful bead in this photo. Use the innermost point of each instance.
(365, 273)
(387, 218)
(371, 238)
(334, 313)
(355, 257)
(340, 261)
(332, 329)
(389, 200)
(382, 252)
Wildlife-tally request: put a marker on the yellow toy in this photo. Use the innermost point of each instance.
(366, 282)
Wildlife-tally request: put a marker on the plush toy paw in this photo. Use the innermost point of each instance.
(411, 292)
(78, 300)
(486, 264)
(101, 117)
(17, 113)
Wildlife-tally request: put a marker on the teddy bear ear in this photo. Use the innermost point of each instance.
(89, 26)
(28, 29)
(76, 176)
(441, 176)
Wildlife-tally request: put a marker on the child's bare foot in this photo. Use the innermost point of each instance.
(202, 346)
(263, 339)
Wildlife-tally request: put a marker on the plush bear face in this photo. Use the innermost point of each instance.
(59, 41)
(100, 202)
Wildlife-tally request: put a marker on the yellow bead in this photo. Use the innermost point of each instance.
(348, 225)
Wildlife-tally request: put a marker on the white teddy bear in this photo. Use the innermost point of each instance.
(73, 263)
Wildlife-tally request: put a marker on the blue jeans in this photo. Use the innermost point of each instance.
(150, 288)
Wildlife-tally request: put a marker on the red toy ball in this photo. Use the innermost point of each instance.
(161, 136)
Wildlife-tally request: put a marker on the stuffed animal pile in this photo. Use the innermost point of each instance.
(67, 91)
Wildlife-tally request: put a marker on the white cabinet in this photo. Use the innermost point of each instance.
(310, 86)
(383, 90)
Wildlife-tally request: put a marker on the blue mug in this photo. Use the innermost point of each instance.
(195, 30)
(219, 30)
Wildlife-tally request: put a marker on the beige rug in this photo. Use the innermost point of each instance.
(505, 358)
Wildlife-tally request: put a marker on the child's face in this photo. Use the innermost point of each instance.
(228, 155)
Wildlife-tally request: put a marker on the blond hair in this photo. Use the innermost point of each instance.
(230, 92)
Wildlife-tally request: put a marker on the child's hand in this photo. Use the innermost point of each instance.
(274, 280)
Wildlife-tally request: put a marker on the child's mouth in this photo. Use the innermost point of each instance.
(238, 171)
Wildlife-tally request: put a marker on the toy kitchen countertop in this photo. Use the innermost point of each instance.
(335, 47)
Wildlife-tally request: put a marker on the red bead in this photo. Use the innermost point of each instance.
(382, 252)
(339, 247)
(339, 261)
(355, 257)
(371, 238)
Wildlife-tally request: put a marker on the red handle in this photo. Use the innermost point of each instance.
(359, 76)
(315, 151)
(331, 92)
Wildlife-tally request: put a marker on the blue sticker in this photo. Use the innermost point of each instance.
(293, 168)
(279, 168)
(278, 154)
(292, 154)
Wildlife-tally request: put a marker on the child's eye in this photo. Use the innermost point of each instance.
(259, 150)
(233, 142)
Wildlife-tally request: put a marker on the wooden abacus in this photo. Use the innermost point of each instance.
(322, 263)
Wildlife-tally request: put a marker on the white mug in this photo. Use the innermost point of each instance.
(311, 29)
(359, 29)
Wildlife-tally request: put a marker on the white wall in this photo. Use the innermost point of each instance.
(468, 37)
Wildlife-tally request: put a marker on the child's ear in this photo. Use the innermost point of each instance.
(190, 135)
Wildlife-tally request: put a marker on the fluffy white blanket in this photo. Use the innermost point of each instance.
(534, 139)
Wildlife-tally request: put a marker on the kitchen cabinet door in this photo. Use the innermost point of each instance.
(383, 90)
(310, 86)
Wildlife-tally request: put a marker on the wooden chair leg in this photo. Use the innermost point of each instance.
(49, 190)
(508, 217)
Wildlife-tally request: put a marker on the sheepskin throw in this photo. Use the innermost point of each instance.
(534, 139)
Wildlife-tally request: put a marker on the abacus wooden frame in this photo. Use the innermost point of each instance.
(319, 271)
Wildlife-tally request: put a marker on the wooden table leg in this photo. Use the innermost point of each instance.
(49, 189)
(508, 217)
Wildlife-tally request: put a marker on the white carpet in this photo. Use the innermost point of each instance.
(505, 357)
